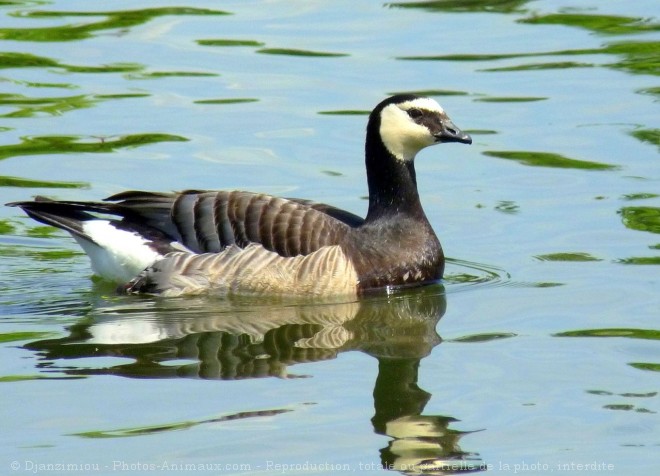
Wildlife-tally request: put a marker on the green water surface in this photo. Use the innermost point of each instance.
(539, 353)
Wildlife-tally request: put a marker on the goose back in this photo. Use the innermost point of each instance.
(210, 221)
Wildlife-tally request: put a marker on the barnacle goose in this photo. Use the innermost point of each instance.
(252, 243)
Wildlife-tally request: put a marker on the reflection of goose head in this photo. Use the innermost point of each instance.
(246, 338)
(421, 444)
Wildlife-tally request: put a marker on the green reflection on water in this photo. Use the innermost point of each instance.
(171, 74)
(122, 96)
(23, 378)
(26, 60)
(639, 196)
(19, 228)
(487, 337)
(24, 335)
(32, 84)
(345, 112)
(221, 42)
(626, 407)
(645, 366)
(73, 144)
(38, 254)
(641, 260)
(6, 181)
(107, 68)
(495, 6)
(112, 20)
(547, 159)
(226, 101)
(650, 91)
(567, 257)
(54, 106)
(470, 57)
(626, 394)
(641, 218)
(7, 227)
(296, 52)
(640, 57)
(651, 136)
(540, 66)
(604, 24)
(22, 3)
(650, 334)
(148, 430)
(510, 99)
(41, 231)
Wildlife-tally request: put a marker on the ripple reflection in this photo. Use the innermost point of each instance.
(242, 338)
(461, 275)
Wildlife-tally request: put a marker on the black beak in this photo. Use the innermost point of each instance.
(450, 133)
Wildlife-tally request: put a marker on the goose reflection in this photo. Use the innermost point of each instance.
(238, 339)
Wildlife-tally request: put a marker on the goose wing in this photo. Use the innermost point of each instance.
(210, 221)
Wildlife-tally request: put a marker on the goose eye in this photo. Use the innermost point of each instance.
(415, 113)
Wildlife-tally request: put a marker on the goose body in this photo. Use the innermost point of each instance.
(240, 242)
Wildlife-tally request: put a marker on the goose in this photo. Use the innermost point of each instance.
(238, 242)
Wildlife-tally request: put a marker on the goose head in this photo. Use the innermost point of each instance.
(407, 123)
(398, 128)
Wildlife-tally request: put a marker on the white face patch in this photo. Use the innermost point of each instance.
(402, 136)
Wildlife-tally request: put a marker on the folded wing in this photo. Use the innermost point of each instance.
(210, 221)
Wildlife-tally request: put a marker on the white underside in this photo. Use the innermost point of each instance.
(116, 255)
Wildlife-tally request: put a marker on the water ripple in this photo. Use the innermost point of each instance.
(461, 275)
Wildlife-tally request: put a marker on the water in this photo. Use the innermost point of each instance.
(538, 354)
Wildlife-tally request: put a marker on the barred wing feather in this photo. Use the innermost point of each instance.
(210, 221)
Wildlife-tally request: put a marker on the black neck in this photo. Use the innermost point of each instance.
(392, 182)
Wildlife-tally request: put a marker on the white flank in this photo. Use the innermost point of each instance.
(117, 255)
(402, 136)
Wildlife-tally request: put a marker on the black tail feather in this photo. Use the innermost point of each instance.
(68, 216)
